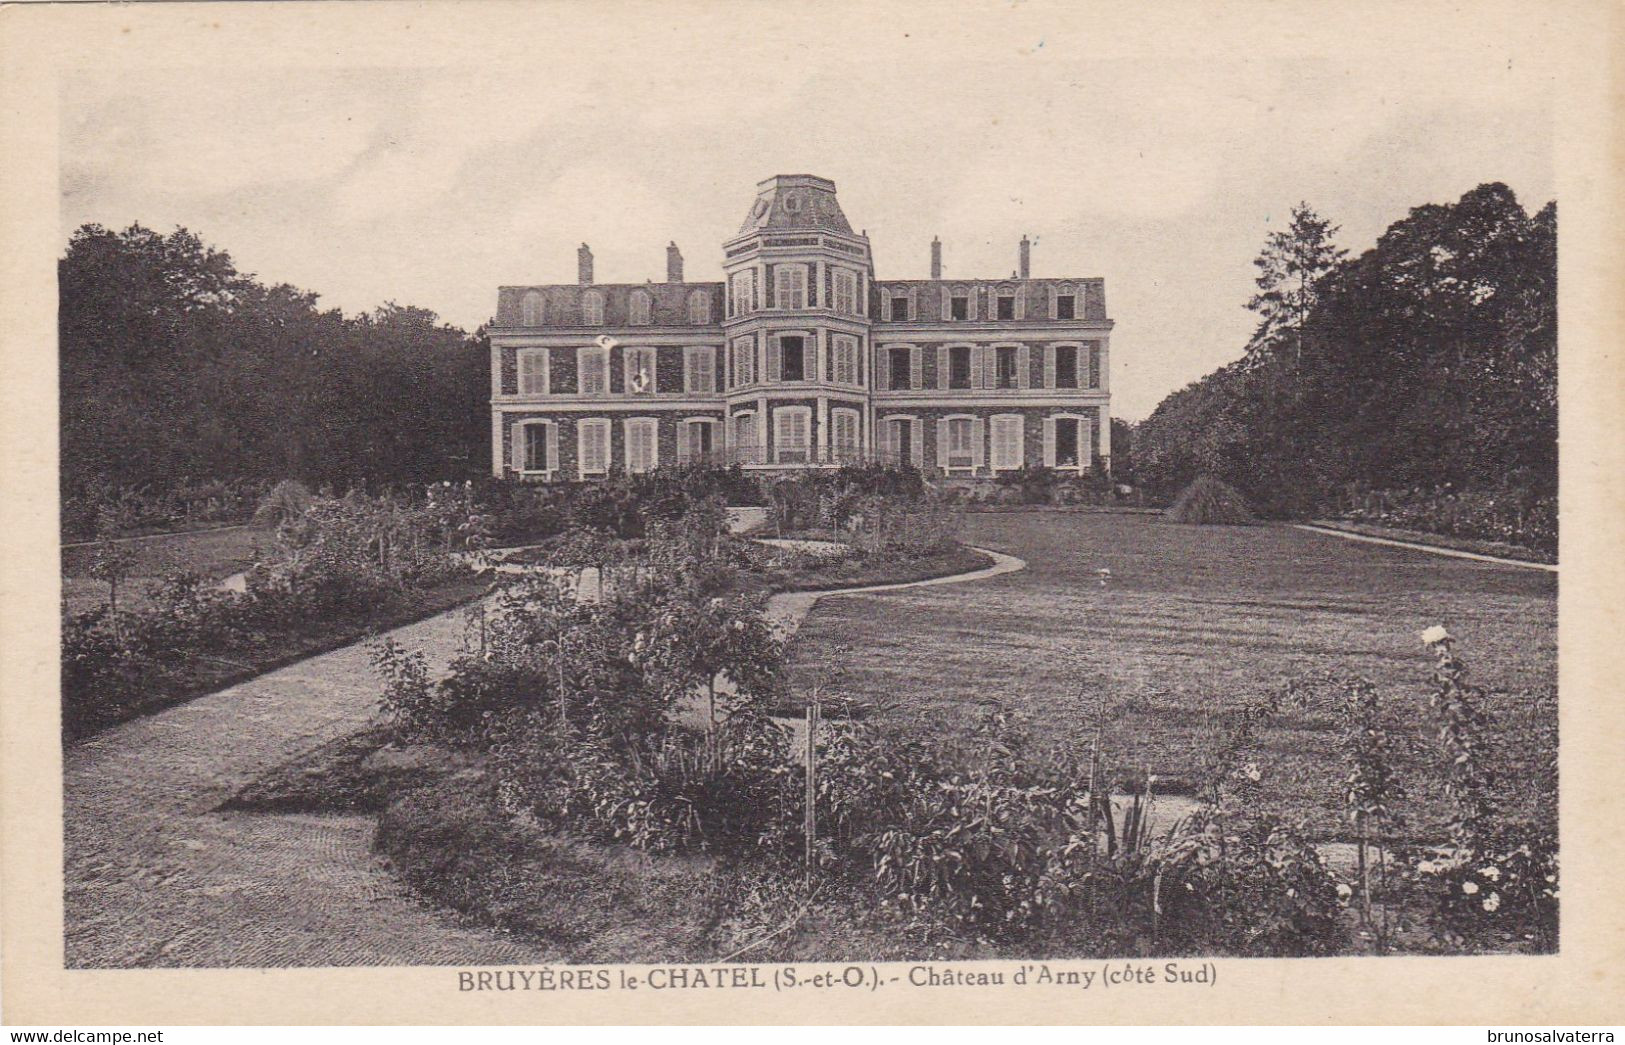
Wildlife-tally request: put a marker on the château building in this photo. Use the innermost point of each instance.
(800, 357)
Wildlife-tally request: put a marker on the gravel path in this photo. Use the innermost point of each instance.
(155, 877)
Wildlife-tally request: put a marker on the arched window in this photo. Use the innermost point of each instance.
(530, 309)
(592, 308)
(699, 307)
(640, 311)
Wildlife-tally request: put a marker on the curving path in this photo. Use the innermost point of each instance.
(154, 877)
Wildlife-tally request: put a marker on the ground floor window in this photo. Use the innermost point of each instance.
(592, 446)
(791, 434)
(844, 432)
(697, 441)
(900, 443)
(535, 447)
(642, 444)
(1008, 439)
(1069, 443)
(745, 433)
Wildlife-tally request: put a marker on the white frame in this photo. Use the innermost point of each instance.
(970, 366)
(696, 316)
(948, 422)
(592, 308)
(849, 413)
(809, 354)
(653, 426)
(781, 414)
(628, 353)
(633, 315)
(549, 430)
(584, 356)
(1086, 450)
(595, 424)
(519, 357)
(532, 309)
(1020, 448)
(780, 271)
(1080, 370)
(685, 435)
(690, 352)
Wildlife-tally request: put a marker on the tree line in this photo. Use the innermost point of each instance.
(174, 366)
(1428, 362)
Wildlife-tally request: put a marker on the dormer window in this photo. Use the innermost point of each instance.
(592, 308)
(959, 307)
(699, 307)
(640, 309)
(790, 286)
(899, 309)
(1066, 306)
(530, 309)
(1007, 306)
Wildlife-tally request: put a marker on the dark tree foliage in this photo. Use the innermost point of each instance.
(174, 364)
(1430, 359)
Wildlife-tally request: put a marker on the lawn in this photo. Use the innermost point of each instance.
(215, 554)
(1194, 621)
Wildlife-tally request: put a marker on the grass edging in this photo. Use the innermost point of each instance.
(960, 559)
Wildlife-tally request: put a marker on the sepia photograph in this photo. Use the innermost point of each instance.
(972, 497)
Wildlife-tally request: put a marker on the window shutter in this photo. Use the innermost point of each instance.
(518, 447)
(1049, 366)
(990, 366)
(913, 302)
(1086, 441)
(914, 367)
(884, 443)
(917, 454)
(552, 448)
(942, 443)
(1049, 442)
(685, 432)
(942, 366)
(1094, 364)
(1024, 372)
(978, 442)
(775, 360)
(974, 305)
(947, 302)
(1054, 307)
(978, 368)
(652, 430)
(883, 370)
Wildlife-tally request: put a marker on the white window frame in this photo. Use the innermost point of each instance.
(744, 361)
(844, 348)
(732, 433)
(585, 425)
(951, 423)
(847, 279)
(1080, 369)
(640, 309)
(783, 414)
(532, 309)
(633, 352)
(546, 428)
(794, 289)
(520, 371)
(592, 357)
(685, 436)
(1086, 449)
(699, 307)
(845, 450)
(1019, 449)
(652, 426)
(592, 308)
(690, 354)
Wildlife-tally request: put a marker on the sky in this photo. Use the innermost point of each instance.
(1154, 150)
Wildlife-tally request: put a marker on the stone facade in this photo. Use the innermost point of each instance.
(798, 331)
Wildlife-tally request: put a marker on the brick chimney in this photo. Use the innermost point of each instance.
(1026, 257)
(584, 265)
(674, 263)
(936, 258)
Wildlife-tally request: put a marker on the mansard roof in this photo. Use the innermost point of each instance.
(561, 303)
(795, 201)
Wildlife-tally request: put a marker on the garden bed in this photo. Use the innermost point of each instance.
(269, 650)
(860, 570)
(1499, 549)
